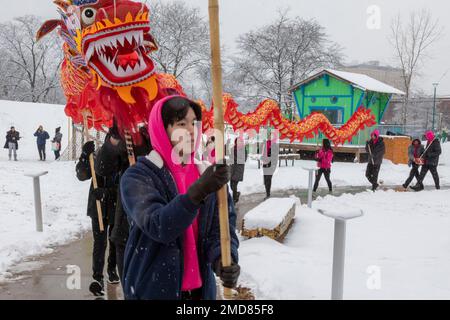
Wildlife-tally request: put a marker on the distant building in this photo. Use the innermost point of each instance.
(338, 94)
(420, 112)
(387, 74)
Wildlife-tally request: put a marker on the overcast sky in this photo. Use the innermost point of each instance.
(345, 22)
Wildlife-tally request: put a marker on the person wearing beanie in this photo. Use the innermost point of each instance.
(430, 161)
(376, 149)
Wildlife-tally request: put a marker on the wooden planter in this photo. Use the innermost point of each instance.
(278, 233)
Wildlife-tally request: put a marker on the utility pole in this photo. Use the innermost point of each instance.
(434, 107)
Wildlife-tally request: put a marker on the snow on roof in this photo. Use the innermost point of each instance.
(365, 82)
(362, 81)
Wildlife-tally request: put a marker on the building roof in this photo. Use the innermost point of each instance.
(361, 81)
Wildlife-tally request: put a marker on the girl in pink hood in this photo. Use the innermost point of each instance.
(170, 200)
(430, 161)
(324, 158)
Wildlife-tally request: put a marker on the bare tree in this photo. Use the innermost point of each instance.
(275, 57)
(31, 68)
(182, 34)
(412, 40)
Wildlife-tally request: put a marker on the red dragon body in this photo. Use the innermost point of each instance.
(108, 73)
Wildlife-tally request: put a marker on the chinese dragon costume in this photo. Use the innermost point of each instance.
(108, 73)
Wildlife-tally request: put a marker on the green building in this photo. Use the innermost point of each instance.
(339, 94)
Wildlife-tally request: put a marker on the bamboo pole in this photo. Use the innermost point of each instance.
(216, 75)
(94, 176)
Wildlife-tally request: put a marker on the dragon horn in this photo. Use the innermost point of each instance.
(63, 4)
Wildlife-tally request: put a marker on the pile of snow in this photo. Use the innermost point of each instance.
(397, 250)
(269, 214)
(26, 118)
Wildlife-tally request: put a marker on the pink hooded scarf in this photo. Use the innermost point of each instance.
(184, 177)
(430, 136)
(375, 135)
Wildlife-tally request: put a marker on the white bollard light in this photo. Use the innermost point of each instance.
(37, 198)
(311, 171)
(340, 225)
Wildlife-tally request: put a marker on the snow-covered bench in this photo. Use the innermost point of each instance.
(272, 219)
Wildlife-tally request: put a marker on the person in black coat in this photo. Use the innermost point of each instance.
(270, 161)
(430, 161)
(106, 193)
(240, 155)
(12, 142)
(376, 149)
(112, 160)
(415, 151)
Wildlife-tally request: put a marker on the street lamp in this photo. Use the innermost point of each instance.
(435, 85)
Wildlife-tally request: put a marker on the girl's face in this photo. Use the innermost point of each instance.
(182, 133)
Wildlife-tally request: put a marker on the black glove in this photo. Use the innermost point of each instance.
(228, 275)
(212, 180)
(100, 193)
(88, 148)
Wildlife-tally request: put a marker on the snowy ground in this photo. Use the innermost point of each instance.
(64, 201)
(342, 175)
(398, 250)
(64, 197)
(403, 237)
(26, 118)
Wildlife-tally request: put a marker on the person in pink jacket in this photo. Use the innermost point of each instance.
(324, 158)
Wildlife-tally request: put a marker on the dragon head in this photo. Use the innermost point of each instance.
(111, 41)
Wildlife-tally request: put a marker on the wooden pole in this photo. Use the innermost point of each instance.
(216, 75)
(94, 176)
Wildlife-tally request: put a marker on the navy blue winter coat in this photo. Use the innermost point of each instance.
(158, 217)
(42, 137)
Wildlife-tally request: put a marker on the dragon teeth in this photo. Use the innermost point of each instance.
(121, 40)
(114, 42)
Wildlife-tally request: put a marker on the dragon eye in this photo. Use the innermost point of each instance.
(88, 16)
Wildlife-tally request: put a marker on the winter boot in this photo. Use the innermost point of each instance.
(418, 187)
(97, 288)
(113, 278)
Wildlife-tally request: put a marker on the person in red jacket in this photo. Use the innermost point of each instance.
(324, 158)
